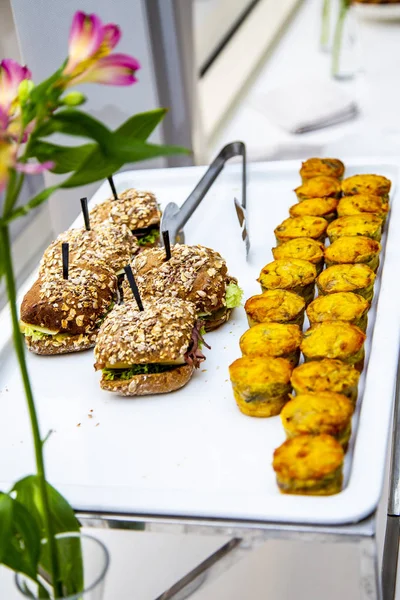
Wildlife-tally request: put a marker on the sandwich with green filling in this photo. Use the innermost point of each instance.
(193, 273)
(153, 351)
(138, 210)
(64, 315)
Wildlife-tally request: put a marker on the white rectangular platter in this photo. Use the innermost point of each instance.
(192, 453)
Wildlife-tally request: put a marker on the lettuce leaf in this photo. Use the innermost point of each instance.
(125, 374)
(233, 295)
(35, 334)
(150, 238)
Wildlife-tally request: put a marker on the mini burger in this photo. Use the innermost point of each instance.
(153, 351)
(193, 273)
(113, 244)
(137, 210)
(64, 315)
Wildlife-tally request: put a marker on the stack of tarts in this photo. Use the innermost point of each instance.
(351, 214)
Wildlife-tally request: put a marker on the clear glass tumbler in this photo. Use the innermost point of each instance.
(95, 565)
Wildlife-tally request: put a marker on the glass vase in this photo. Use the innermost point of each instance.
(344, 47)
(95, 565)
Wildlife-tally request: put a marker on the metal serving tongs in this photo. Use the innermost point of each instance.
(174, 218)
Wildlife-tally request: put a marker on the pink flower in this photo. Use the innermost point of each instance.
(8, 160)
(90, 58)
(34, 168)
(11, 75)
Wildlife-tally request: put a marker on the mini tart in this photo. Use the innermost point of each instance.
(272, 339)
(295, 275)
(365, 225)
(366, 184)
(326, 375)
(310, 465)
(360, 204)
(261, 385)
(297, 227)
(315, 207)
(347, 278)
(319, 187)
(334, 339)
(276, 306)
(353, 250)
(343, 306)
(315, 167)
(303, 248)
(317, 413)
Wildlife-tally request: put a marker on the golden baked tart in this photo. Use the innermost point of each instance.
(309, 465)
(295, 275)
(316, 413)
(334, 339)
(319, 187)
(353, 250)
(366, 184)
(315, 207)
(275, 306)
(328, 167)
(261, 385)
(310, 227)
(342, 306)
(326, 375)
(303, 248)
(363, 203)
(366, 225)
(272, 339)
(356, 278)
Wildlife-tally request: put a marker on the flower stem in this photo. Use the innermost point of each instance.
(20, 351)
(337, 40)
(326, 13)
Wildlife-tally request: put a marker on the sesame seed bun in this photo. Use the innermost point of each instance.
(113, 244)
(193, 273)
(155, 383)
(73, 306)
(134, 208)
(161, 333)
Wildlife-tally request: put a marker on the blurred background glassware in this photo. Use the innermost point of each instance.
(96, 561)
(344, 63)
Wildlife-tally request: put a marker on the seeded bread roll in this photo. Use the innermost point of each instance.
(56, 309)
(193, 273)
(113, 244)
(135, 209)
(151, 351)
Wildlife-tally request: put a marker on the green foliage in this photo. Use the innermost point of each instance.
(125, 374)
(151, 238)
(64, 520)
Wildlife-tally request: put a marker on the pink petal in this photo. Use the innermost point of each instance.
(85, 39)
(11, 75)
(115, 69)
(111, 36)
(34, 168)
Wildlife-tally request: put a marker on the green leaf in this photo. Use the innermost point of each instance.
(97, 167)
(63, 520)
(33, 203)
(66, 158)
(77, 123)
(140, 126)
(6, 510)
(20, 542)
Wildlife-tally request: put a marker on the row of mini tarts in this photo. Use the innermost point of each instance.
(318, 228)
(324, 186)
(284, 307)
(331, 208)
(299, 276)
